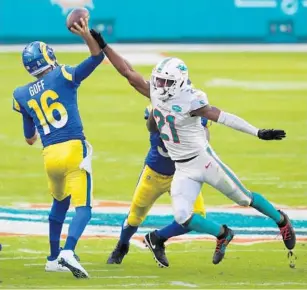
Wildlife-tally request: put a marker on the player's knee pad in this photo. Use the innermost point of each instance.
(134, 220)
(59, 210)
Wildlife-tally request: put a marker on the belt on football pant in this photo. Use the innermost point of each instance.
(185, 160)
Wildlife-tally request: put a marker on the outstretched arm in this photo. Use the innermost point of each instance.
(84, 32)
(237, 123)
(84, 69)
(123, 67)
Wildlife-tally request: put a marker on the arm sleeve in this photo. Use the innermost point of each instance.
(85, 68)
(237, 123)
(28, 126)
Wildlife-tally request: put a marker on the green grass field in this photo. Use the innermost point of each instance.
(113, 120)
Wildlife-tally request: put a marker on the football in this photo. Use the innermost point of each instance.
(75, 15)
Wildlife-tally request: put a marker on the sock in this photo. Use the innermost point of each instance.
(126, 233)
(264, 206)
(77, 226)
(172, 230)
(55, 229)
(200, 224)
(56, 219)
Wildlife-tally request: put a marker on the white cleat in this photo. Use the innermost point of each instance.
(54, 266)
(67, 259)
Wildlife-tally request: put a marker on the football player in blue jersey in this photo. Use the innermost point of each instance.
(49, 108)
(155, 180)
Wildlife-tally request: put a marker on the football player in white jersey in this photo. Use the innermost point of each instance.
(177, 109)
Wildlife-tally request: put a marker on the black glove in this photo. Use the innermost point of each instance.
(271, 134)
(98, 37)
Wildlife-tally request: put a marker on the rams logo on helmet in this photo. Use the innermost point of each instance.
(66, 5)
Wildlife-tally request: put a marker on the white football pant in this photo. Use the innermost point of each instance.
(205, 168)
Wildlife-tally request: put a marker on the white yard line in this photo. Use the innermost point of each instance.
(43, 264)
(105, 270)
(257, 85)
(145, 252)
(22, 258)
(183, 284)
(256, 284)
(29, 251)
(138, 244)
(105, 286)
(124, 277)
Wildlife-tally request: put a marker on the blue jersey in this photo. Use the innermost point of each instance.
(50, 103)
(157, 157)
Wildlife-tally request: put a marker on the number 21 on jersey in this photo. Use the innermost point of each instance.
(46, 114)
(170, 120)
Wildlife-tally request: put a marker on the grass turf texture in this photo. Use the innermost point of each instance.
(258, 266)
(113, 119)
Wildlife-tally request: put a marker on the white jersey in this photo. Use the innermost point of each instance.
(184, 136)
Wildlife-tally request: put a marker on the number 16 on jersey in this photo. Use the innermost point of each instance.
(46, 115)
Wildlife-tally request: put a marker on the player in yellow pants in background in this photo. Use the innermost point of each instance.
(155, 180)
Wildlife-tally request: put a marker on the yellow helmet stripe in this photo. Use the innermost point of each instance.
(43, 48)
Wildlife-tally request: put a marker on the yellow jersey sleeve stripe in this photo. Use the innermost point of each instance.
(16, 105)
(66, 74)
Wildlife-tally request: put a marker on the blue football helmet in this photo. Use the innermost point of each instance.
(38, 57)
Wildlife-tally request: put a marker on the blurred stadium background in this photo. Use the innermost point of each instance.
(248, 55)
(222, 21)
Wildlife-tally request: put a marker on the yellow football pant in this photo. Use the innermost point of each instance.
(150, 187)
(65, 178)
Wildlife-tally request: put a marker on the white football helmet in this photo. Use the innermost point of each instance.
(169, 77)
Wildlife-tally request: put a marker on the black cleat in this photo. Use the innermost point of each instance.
(157, 247)
(221, 245)
(287, 232)
(117, 256)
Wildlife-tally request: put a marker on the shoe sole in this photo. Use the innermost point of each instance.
(75, 271)
(148, 245)
(58, 271)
